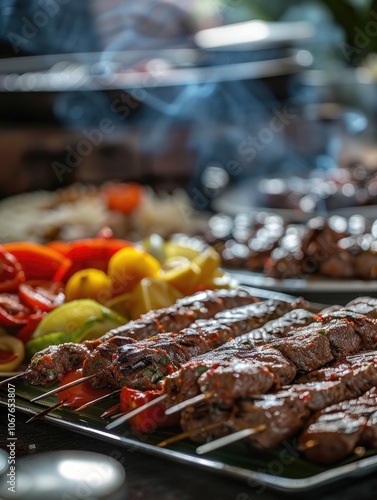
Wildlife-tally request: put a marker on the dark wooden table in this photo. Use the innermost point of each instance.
(151, 478)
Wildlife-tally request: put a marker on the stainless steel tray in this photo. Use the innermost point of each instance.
(317, 289)
(280, 470)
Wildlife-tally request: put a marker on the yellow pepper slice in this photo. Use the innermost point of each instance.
(128, 267)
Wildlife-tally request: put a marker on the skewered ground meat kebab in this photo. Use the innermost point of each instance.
(284, 413)
(222, 374)
(145, 364)
(50, 364)
(335, 432)
(142, 364)
(184, 312)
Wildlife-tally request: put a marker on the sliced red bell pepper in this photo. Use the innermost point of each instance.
(63, 247)
(11, 272)
(37, 261)
(150, 419)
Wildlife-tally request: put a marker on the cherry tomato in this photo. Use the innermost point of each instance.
(12, 311)
(32, 322)
(151, 418)
(11, 272)
(81, 393)
(41, 294)
(37, 261)
(124, 197)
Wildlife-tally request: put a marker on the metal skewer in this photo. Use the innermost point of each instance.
(63, 387)
(14, 377)
(231, 438)
(47, 411)
(98, 400)
(193, 432)
(189, 402)
(135, 412)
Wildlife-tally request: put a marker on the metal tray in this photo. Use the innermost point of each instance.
(282, 470)
(317, 289)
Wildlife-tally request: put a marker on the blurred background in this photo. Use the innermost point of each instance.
(216, 97)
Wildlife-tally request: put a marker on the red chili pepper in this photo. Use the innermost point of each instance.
(150, 419)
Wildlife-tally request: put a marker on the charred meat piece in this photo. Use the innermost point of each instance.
(238, 379)
(49, 366)
(366, 306)
(272, 330)
(333, 433)
(364, 327)
(307, 350)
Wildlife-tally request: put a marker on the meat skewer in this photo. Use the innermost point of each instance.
(229, 373)
(335, 432)
(201, 305)
(303, 350)
(184, 312)
(285, 412)
(52, 363)
(170, 349)
(259, 336)
(144, 366)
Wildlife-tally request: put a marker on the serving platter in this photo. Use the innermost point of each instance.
(282, 470)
